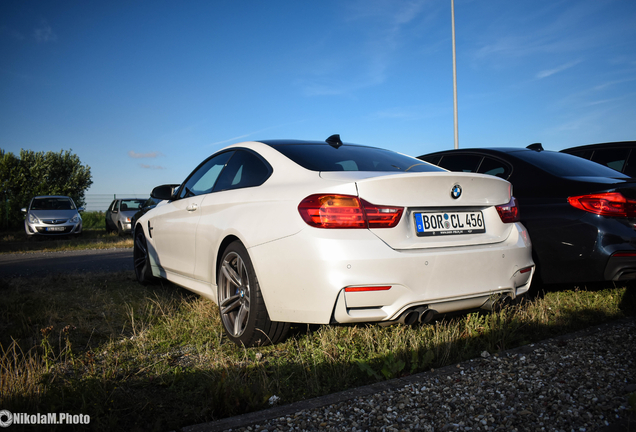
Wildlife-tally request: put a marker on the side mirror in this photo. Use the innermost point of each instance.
(81, 209)
(164, 192)
(23, 210)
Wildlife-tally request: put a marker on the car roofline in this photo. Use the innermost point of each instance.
(614, 144)
(492, 150)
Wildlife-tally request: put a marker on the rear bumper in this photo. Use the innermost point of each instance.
(303, 277)
(621, 266)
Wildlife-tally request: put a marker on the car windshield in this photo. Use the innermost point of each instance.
(566, 165)
(52, 204)
(133, 204)
(323, 157)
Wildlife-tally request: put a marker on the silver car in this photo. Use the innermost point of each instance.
(120, 212)
(52, 215)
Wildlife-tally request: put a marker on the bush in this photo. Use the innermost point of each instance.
(94, 220)
(38, 173)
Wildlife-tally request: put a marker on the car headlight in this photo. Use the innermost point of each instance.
(33, 219)
(75, 219)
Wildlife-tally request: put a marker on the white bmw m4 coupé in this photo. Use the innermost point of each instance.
(280, 232)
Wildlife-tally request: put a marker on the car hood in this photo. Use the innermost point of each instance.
(53, 214)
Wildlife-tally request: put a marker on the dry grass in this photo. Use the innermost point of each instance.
(155, 358)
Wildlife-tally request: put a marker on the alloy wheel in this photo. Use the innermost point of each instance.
(234, 301)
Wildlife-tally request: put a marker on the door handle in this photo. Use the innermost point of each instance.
(192, 207)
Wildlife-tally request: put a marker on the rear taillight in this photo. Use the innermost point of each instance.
(382, 216)
(605, 204)
(509, 212)
(347, 211)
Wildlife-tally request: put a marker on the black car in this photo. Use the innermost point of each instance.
(581, 216)
(620, 156)
(149, 204)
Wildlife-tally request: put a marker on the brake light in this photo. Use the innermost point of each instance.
(381, 216)
(605, 204)
(347, 211)
(509, 213)
(367, 288)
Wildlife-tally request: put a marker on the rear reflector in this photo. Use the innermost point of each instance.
(509, 213)
(367, 288)
(605, 204)
(525, 270)
(347, 211)
(624, 254)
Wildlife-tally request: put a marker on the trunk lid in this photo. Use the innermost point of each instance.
(430, 194)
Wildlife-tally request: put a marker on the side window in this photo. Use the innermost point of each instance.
(431, 159)
(244, 169)
(347, 165)
(585, 154)
(202, 180)
(613, 158)
(630, 166)
(460, 162)
(495, 167)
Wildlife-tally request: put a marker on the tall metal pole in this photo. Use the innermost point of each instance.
(454, 76)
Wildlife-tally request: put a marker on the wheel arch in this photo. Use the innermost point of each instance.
(219, 253)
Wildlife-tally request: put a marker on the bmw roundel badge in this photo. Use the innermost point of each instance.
(456, 191)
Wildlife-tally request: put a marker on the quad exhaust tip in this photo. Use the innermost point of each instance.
(413, 316)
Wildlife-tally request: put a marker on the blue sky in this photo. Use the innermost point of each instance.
(143, 91)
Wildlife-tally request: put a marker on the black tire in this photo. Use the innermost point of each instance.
(241, 305)
(109, 229)
(141, 259)
(120, 230)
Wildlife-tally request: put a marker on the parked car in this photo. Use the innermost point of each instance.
(149, 204)
(581, 215)
(620, 156)
(52, 215)
(120, 213)
(280, 232)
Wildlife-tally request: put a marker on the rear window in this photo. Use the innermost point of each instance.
(323, 157)
(566, 165)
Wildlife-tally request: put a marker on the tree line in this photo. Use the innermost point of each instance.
(38, 173)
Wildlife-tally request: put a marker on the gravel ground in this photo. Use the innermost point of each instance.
(579, 382)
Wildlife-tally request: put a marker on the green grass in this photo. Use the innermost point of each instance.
(156, 358)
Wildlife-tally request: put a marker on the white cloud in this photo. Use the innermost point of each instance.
(152, 167)
(150, 155)
(242, 137)
(44, 33)
(549, 72)
(369, 48)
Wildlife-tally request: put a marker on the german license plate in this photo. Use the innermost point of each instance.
(60, 228)
(449, 223)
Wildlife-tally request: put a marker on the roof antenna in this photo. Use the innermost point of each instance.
(536, 147)
(334, 141)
